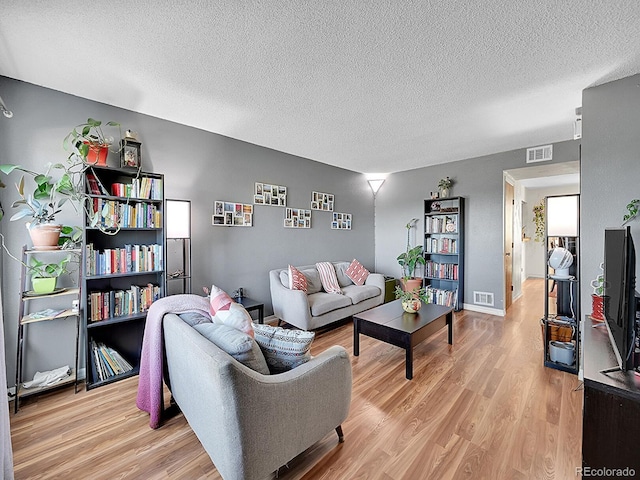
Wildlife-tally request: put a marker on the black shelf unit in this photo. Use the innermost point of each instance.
(135, 244)
(562, 297)
(444, 250)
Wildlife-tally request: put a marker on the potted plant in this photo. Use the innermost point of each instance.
(42, 205)
(88, 142)
(44, 275)
(444, 185)
(632, 208)
(597, 297)
(409, 260)
(411, 300)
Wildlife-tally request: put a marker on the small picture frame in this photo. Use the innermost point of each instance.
(130, 154)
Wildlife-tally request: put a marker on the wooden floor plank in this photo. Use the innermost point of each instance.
(485, 407)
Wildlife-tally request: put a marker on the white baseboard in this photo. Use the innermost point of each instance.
(487, 310)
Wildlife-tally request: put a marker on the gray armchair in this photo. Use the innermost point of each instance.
(252, 424)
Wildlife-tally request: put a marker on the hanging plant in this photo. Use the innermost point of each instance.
(632, 208)
(538, 219)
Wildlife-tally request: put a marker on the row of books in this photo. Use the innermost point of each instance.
(145, 187)
(448, 298)
(115, 214)
(104, 305)
(441, 224)
(107, 362)
(127, 259)
(447, 271)
(441, 245)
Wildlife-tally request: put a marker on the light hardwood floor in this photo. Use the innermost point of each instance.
(483, 408)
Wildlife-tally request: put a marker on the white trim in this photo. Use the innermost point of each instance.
(490, 311)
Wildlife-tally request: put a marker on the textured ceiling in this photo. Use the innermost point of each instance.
(371, 86)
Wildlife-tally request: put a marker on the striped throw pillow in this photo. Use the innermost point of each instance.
(297, 280)
(328, 277)
(356, 272)
(283, 349)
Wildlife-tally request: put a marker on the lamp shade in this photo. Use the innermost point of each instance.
(375, 184)
(178, 219)
(562, 216)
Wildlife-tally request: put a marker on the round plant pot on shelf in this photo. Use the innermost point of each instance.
(45, 236)
(97, 154)
(411, 284)
(411, 306)
(43, 285)
(597, 307)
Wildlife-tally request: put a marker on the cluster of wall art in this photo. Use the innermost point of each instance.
(269, 194)
(233, 214)
(341, 221)
(297, 218)
(230, 214)
(322, 201)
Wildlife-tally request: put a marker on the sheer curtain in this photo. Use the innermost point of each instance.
(6, 454)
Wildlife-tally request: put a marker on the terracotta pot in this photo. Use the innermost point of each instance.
(97, 154)
(597, 307)
(411, 284)
(43, 285)
(45, 236)
(411, 306)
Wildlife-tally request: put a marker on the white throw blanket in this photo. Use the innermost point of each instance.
(44, 379)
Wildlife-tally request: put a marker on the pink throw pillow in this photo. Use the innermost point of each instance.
(356, 272)
(328, 277)
(297, 280)
(218, 300)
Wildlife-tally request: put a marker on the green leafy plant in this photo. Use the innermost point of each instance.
(48, 195)
(409, 260)
(538, 219)
(87, 135)
(445, 183)
(598, 283)
(40, 269)
(420, 293)
(632, 211)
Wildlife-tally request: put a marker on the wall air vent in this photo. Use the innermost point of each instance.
(483, 298)
(540, 154)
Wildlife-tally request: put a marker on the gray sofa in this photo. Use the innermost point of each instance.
(317, 308)
(252, 424)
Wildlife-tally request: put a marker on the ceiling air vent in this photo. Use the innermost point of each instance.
(540, 154)
(483, 298)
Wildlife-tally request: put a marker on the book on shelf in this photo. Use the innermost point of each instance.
(448, 298)
(104, 305)
(127, 259)
(143, 188)
(107, 362)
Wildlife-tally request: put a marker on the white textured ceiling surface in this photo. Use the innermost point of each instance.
(371, 86)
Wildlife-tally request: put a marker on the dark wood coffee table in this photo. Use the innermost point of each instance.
(391, 324)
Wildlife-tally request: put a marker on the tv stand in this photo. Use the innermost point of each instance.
(611, 411)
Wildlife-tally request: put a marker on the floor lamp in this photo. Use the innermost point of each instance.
(178, 246)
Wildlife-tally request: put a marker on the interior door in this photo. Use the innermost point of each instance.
(508, 244)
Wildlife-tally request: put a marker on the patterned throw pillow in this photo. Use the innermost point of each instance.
(357, 273)
(283, 349)
(297, 280)
(218, 300)
(328, 277)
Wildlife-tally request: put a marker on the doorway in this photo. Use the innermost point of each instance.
(525, 188)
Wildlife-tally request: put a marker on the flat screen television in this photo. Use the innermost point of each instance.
(619, 294)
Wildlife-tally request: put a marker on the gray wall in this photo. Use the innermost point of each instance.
(480, 181)
(198, 166)
(610, 175)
